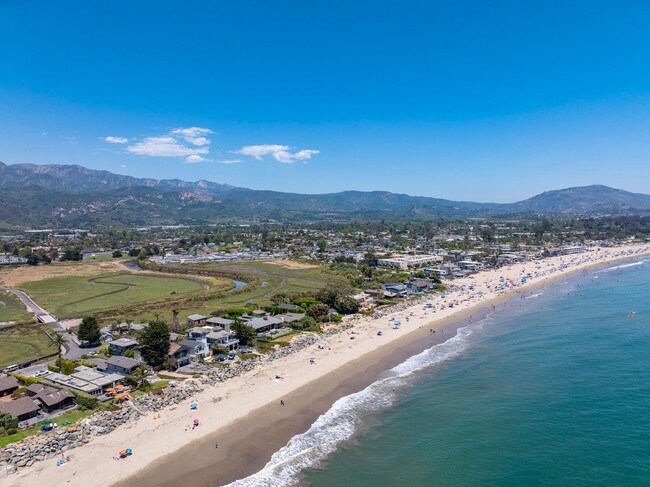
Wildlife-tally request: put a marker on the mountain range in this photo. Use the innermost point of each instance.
(64, 196)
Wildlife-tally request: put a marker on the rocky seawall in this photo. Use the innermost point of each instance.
(46, 446)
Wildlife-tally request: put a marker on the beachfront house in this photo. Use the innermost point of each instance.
(196, 349)
(122, 365)
(222, 338)
(418, 286)
(50, 398)
(85, 379)
(291, 317)
(121, 346)
(180, 353)
(396, 288)
(263, 324)
(23, 408)
(8, 385)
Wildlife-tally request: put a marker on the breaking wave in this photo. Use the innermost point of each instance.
(347, 415)
(623, 266)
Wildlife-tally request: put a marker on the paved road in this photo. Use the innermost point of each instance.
(72, 349)
(42, 315)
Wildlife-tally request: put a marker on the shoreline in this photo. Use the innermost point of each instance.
(249, 423)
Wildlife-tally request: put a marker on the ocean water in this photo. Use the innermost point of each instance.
(552, 389)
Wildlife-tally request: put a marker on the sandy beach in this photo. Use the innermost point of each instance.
(241, 430)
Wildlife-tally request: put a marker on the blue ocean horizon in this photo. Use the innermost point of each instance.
(553, 388)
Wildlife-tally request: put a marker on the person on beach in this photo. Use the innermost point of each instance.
(216, 444)
(281, 402)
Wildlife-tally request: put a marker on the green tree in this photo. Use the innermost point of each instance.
(72, 253)
(333, 291)
(321, 244)
(346, 305)
(154, 342)
(117, 254)
(59, 340)
(318, 310)
(130, 353)
(140, 377)
(89, 330)
(170, 364)
(8, 422)
(245, 333)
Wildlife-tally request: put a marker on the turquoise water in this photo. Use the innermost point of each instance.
(550, 390)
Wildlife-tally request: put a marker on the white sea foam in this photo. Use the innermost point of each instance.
(346, 416)
(533, 296)
(623, 266)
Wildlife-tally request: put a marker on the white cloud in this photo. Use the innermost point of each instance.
(193, 159)
(123, 166)
(164, 146)
(305, 154)
(189, 143)
(280, 153)
(116, 140)
(228, 161)
(193, 135)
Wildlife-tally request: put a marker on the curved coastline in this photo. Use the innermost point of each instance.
(253, 426)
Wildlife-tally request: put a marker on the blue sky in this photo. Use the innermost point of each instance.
(484, 101)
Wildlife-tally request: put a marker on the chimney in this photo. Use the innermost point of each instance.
(226, 327)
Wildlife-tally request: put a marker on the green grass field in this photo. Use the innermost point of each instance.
(276, 278)
(262, 268)
(12, 309)
(21, 343)
(76, 296)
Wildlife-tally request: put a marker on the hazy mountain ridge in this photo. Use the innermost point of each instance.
(59, 195)
(79, 179)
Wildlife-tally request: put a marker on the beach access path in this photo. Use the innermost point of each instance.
(246, 397)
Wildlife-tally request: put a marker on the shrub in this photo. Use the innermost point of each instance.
(12, 431)
(27, 381)
(20, 392)
(86, 401)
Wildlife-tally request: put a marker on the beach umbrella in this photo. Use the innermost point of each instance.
(193, 405)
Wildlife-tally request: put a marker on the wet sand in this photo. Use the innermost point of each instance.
(245, 448)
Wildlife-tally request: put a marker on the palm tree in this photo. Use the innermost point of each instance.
(60, 341)
(175, 324)
(140, 377)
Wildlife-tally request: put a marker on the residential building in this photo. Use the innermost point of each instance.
(409, 261)
(223, 323)
(196, 320)
(223, 338)
(86, 380)
(8, 385)
(180, 353)
(396, 288)
(262, 324)
(121, 345)
(197, 348)
(418, 286)
(122, 365)
(51, 398)
(23, 408)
